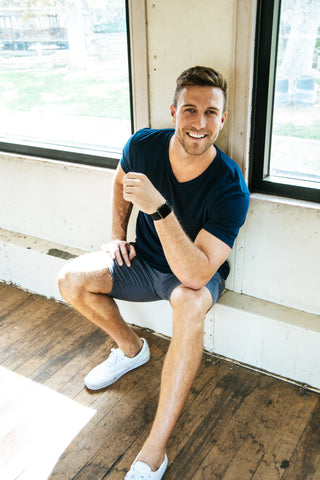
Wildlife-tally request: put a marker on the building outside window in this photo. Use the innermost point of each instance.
(285, 151)
(64, 79)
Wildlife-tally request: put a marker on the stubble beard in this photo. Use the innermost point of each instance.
(194, 150)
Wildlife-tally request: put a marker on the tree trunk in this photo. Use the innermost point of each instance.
(298, 56)
(78, 56)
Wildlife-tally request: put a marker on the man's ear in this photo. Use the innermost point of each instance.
(173, 113)
(223, 119)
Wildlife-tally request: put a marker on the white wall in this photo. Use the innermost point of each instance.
(60, 202)
(276, 256)
(183, 34)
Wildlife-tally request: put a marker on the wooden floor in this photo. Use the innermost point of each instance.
(237, 424)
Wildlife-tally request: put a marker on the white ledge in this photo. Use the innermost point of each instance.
(42, 161)
(292, 202)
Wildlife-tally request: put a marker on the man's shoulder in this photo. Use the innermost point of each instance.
(232, 171)
(144, 145)
(227, 162)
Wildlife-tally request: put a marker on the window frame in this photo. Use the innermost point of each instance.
(266, 44)
(138, 94)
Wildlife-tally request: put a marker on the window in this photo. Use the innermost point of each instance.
(285, 148)
(64, 79)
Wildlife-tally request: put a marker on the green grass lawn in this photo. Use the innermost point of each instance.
(289, 129)
(47, 83)
(75, 93)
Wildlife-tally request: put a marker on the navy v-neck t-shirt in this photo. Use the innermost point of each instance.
(217, 200)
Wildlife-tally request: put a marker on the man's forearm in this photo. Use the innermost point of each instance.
(121, 211)
(187, 261)
(120, 250)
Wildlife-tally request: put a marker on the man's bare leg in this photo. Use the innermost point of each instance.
(84, 283)
(179, 370)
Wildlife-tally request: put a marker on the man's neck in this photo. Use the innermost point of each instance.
(186, 167)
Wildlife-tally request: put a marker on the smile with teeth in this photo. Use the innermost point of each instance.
(196, 135)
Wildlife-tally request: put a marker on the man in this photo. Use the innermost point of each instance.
(192, 200)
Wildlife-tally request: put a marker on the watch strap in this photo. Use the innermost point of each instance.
(162, 211)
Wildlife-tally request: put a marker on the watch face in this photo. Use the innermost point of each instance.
(162, 212)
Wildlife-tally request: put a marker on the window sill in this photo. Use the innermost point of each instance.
(53, 162)
(285, 201)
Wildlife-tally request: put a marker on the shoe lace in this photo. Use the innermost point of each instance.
(115, 357)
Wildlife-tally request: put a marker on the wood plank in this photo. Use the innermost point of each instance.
(25, 323)
(210, 434)
(277, 457)
(15, 308)
(38, 342)
(305, 459)
(10, 297)
(271, 405)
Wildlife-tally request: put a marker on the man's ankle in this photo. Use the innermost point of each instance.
(152, 457)
(134, 350)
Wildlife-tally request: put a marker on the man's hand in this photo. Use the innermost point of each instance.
(120, 250)
(138, 190)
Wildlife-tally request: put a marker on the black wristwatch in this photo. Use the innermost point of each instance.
(162, 211)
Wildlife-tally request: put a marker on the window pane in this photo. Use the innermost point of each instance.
(295, 147)
(64, 74)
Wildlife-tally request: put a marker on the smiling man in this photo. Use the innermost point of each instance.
(192, 200)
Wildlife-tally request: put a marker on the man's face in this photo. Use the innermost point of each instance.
(198, 118)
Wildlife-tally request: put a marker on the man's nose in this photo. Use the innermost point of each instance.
(199, 121)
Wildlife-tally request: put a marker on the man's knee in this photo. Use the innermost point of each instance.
(191, 305)
(87, 273)
(70, 282)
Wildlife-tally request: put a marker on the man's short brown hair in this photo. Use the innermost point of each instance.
(201, 76)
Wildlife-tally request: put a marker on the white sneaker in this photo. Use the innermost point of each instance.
(142, 471)
(116, 365)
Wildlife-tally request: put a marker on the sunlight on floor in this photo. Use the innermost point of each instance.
(36, 426)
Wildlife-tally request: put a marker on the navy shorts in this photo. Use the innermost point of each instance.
(142, 283)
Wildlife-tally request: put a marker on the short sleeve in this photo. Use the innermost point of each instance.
(228, 217)
(125, 161)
